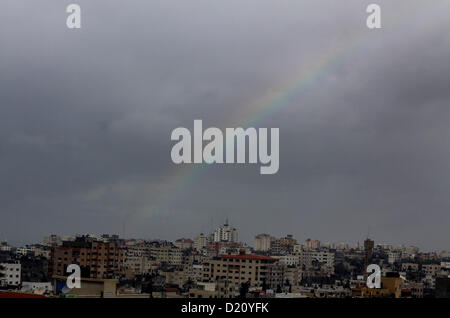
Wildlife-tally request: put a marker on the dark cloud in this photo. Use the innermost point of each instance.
(86, 118)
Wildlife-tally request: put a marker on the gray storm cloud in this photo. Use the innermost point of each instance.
(86, 117)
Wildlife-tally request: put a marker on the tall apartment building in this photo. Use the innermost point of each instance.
(5, 247)
(283, 245)
(201, 242)
(262, 242)
(289, 259)
(52, 240)
(368, 251)
(283, 277)
(134, 260)
(184, 243)
(166, 254)
(394, 256)
(431, 269)
(238, 269)
(225, 233)
(10, 274)
(96, 259)
(307, 257)
(312, 244)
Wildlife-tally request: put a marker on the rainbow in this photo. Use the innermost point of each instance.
(252, 114)
(266, 106)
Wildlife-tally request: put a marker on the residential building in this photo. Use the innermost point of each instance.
(184, 243)
(262, 242)
(225, 233)
(96, 259)
(238, 269)
(10, 274)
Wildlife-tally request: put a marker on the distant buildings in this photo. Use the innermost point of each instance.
(4, 247)
(283, 245)
(225, 233)
(391, 287)
(368, 251)
(52, 240)
(312, 244)
(201, 242)
(184, 243)
(217, 265)
(96, 259)
(166, 253)
(262, 242)
(238, 269)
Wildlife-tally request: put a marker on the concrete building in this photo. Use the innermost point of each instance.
(52, 240)
(368, 251)
(135, 260)
(262, 242)
(96, 259)
(168, 254)
(410, 267)
(431, 269)
(283, 245)
(308, 257)
(10, 274)
(4, 247)
(201, 242)
(238, 269)
(394, 256)
(312, 244)
(416, 289)
(289, 259)
(184, 243)
(225, 233)
(218, 289)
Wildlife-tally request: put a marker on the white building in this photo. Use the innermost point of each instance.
(201, 242)
(312, 244)
(394, 256)
(225, 233)
(25, 250)
(4, 247)
(306, 257)
(431, 269)
(52, 240)
(289, 259)
(262, 242)
(10, 274)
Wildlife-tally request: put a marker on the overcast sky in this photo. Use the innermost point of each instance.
(86, 117)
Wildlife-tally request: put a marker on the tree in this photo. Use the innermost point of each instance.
(264, 285)
(244, 289)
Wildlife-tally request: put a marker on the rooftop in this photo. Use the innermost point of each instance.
(250, 257)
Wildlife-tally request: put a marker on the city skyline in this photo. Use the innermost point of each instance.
(249, 243)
